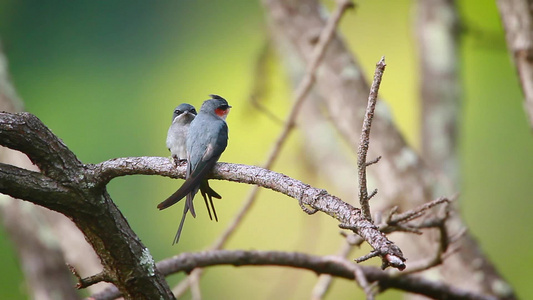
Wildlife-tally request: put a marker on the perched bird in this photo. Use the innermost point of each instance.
(206, 140)
(178, 130)
(177, 145)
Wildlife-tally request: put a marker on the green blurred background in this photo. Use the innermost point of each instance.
(105, 76)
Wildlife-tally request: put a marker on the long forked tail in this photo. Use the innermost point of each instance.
(208, 192)
(178, 234)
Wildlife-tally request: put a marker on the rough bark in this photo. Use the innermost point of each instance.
(437, 28)
(517, 17)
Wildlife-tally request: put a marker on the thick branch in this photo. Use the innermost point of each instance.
(26, 133)
(517, 18)
(32, 186)
(437, 28)
(126, 260)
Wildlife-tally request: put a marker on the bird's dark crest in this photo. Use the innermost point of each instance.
(213, 96)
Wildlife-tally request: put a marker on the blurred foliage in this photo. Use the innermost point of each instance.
(105, 76)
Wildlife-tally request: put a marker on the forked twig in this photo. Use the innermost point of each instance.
(365, 140)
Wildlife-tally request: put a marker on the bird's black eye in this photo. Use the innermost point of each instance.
(193, 111)
(178, 112)
(223, 106)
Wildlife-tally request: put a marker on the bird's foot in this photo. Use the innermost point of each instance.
(177, 161)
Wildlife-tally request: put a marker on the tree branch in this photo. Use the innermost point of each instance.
(126, 260)
(26, 133)
(403, 178)
(335, 266)
(517, 18)
(349, 216)
(85, 200)
(39, 235)
(365, 139)
(32, 186)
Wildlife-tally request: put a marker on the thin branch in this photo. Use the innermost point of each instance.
(365, 139)
(335, 266)
(395, 219)
(88, 281)
(391, 223)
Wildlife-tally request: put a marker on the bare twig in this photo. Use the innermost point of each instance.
(395, 219)
(365, 139)
(88, 281)
(367, 256)
(362, 164)
(390, 223)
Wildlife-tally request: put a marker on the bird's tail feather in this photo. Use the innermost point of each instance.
(178, 234)
(208, 192)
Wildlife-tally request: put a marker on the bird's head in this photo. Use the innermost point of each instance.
(216, 105)
(184, 111)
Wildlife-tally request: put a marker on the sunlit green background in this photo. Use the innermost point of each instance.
(105, 76)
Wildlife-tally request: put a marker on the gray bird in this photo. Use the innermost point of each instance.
(206, 140)
(177, 145)
(178, 130)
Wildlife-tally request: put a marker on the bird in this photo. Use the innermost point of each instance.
(206, 140)
(177, 145)
(178, 130)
